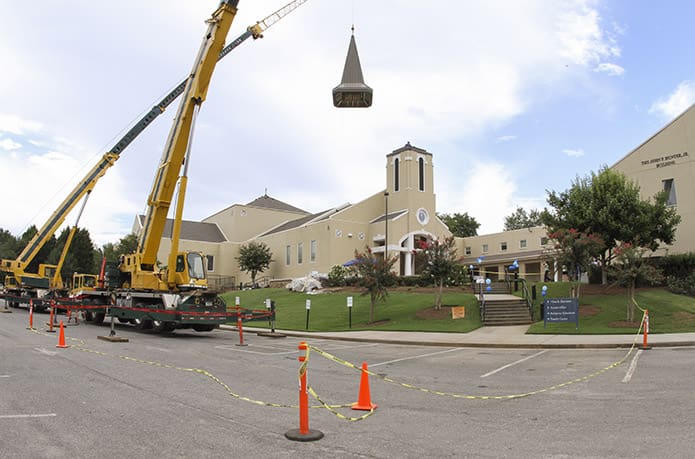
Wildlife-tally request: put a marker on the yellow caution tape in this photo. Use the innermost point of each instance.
(481, 397)
(331, 409)
(80, 347)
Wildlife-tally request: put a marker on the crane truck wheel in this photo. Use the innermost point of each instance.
(99, 318)
(141, 324)
(204, 327)
(159, 326)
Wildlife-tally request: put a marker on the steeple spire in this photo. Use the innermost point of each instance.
(352, 92)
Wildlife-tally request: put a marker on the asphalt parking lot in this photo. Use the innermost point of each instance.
(189, 394)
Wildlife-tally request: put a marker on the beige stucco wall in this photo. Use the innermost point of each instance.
(669, 154)
(335, 244)
(529, 246)
(240, 223)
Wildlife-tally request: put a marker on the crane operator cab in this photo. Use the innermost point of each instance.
(190, 271)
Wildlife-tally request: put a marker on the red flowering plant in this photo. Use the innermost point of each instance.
(374, 275)
(442, 265)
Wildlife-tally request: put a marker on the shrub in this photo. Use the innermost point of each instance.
(678, 266)
(337, 276)
(683, 286)
(414, 281)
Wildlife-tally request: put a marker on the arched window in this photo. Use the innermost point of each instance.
(421, 174)
(396, 174)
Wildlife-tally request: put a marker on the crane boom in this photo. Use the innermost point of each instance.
(86, 185)
(175, 149)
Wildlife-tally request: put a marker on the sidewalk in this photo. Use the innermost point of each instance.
(496, 337)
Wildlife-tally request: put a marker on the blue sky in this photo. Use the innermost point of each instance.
(512, 98)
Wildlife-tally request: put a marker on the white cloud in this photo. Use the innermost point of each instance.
(678, 101)
(15, 124)
(582, 38)
(505, 138)
(52, 173)
(575, 153)
(610, 69)
(487, 194)
(9, 144)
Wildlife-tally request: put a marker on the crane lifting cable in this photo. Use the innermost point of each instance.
(352, 92)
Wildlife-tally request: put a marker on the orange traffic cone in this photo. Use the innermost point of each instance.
(31, 315)
(364, 400)
(61, 337)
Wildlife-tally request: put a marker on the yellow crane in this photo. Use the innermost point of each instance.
(22, 286)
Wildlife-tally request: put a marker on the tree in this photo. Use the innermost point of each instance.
(127, 244)
(607, 204)
(9, 246)
(43, 253)
(441, 264)
(460, 225)
(575, 251)
(631, 269)
(520, 219)
(374, 275)
(81, 254)
(254, 257)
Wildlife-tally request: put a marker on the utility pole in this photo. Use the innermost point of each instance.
(386, 227)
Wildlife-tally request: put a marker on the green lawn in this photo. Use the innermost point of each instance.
(602, 311)
(403, 310)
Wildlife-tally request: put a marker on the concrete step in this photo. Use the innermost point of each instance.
(504, 323)
(501, 304)
(506, 312)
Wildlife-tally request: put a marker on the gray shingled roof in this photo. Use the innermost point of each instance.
(299, 222)
(267, 202)
(392, 215)
(352, 72)
(193, 231)
(196, 231)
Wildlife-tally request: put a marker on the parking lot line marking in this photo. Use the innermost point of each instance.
(632, 368)
(371, 365)
(5, 376)
(160, 349)
(272, 351)
(20, 416)
(45, 351)
(514, 363)
(333, 346)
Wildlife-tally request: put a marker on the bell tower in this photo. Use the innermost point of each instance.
(410, 177)
(410, 204)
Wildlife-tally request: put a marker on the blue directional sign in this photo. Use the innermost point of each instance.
(561, 310)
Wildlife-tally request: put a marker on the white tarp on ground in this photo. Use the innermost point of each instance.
(310, 283)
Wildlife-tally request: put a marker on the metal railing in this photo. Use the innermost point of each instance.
(526, 295)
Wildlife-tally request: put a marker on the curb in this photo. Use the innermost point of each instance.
(518, 345)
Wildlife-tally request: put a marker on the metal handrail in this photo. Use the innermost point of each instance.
(478, 288)
(526, 295)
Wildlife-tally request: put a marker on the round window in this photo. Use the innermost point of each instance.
(423, 216)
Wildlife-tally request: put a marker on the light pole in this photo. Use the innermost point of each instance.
(386, 227)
